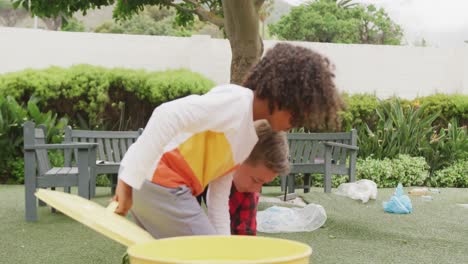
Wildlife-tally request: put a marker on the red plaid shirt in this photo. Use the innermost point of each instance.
(243, 212)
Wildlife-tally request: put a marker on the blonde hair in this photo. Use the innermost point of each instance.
(271, 149)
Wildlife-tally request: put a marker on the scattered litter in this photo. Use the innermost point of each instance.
(423, 191)
(419, 191)
(427, 198)
(278, 200)
(361, 190)
(278, 219)
(398, 203)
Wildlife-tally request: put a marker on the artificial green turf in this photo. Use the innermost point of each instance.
(54, 238)
(436, 232)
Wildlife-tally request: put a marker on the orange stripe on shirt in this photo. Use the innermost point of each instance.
(173, 171)
(196, 162)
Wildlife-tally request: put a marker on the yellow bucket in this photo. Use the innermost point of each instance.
(220, 250)
(144, 249)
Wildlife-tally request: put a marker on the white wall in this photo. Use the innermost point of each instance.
(384, 70)
(464, 68)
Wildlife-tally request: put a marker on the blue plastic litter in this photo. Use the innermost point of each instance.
(398, 203)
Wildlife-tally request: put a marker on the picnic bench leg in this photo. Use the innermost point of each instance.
(92, 172)
(67, 154)
(30, 186)
(30, 182)
(285, 188)
(114, 179)
(353, 157)
(328, 176)
(290, 183)
(84, 174)
(306, 182)
(352, 167)
(283, 180)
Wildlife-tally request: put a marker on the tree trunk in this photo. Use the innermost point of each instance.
(241, 22)
(263, 29)
(53, 23)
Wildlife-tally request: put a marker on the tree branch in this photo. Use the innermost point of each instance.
(181, 8)
(204, 14)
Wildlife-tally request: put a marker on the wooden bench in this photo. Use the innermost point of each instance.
(38, 172)
(111, 147)
(324, 153)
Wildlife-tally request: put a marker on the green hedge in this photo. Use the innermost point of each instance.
(403, 128)
(12, 117)
(91, 97)
(362, 108)
(410, 171)
(455, 175)
(119, 99)
(448, 107)
(386, 173)
(398, 130)
(359, 109)
(100, 98)
(97, 97)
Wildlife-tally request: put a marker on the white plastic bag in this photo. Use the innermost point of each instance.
(278, 219)
(361, 190)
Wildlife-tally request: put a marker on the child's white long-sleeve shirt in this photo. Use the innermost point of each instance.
(194, 141)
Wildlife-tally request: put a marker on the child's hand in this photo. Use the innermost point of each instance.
(123, 195)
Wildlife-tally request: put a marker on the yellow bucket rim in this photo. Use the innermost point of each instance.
(307, 252)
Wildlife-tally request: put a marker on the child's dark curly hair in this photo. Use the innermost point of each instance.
(298, 80)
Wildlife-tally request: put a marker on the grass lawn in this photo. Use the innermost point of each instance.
(436, 232)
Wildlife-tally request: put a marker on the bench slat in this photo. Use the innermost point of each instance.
(307, 150)
(108, 150)
(292, 149)
(321, 150)
(313, 152)
(102, 156)
(344, 153)
(115, 149)
(129, 142)
(123, 146)
(336, 152)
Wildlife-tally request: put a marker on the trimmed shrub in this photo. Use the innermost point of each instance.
(410, 171)
(99, 98)
(455, 175)
(449, 107)
(359, 110)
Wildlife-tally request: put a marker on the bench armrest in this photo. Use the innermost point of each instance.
(340, 145)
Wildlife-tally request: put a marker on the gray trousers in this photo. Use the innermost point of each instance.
(169, 212)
